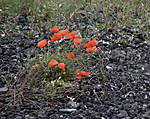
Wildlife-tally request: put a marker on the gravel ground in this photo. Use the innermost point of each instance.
(125, 94)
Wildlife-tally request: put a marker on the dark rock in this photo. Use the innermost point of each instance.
(67, 110)
(147, 73)
(41, 114)
(147, 115)
(122, 114)
(3, 90)
(1, 50)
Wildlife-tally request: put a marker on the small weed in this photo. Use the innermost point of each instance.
(54, 71)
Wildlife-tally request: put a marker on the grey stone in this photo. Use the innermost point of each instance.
(73, 104)
(41, 114)
(67, 110)
(1, 50)
(3, 90)
(122, 113)
(147, 73)
(147, 115)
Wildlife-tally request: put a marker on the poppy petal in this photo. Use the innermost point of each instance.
(34, 67)
(84, 73)
(77, 41)
(61, 66)
(54, 29)
(70, 55)
(76, 83)
(42, 43)
(79, 72)
(76, 36)
(92, 49)
(119, 14)
(58, 36)
(72, 46)
(71, 35)
(86, 45)
(93, 43)
(82, 91)
(53, 39)
(78, 76)
(64, 32)
(53, 63)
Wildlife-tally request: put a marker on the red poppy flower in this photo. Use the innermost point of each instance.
(76, 83)
(61, 66)
(70, 55)
(77, 41)
(119, 14)
(76, 36)
(72, 46)
(58, 36)
(53, 63)
(34, 67)
(79, 72)
(84, 73)
(91, 43)
(92, 49)
(42, 43)
(78, 76)
(53, 39)
(82, 91)
(64, 32)
(86, 45)
(54, 29)
(71, 35)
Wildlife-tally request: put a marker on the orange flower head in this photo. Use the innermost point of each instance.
(77, 71)
(92, 49)
(53, 63)
(70, 55)
(72, 46)
(42, 43)
(71, 35)
(82, 73)
(58, 36)
(76, 36)
(34, 67)
(93, 43)
(86, 45)
(82, 91)
(78, 76)
(119, 14)
(61, 66)
(77, 41)
(64, 32)
(54, 29)
(53, 39)
(76, 83)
